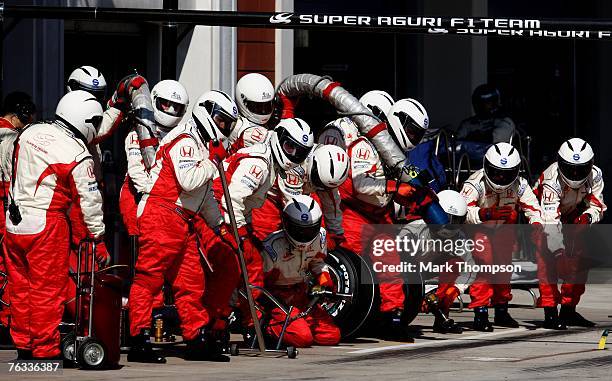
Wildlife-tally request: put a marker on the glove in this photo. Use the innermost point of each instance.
(584, 219)
(325, 280)
(449, 297)
(505, 213)
(288, 105)
(217, 153)
(227, 237)
(122, 97)
(414, 198)
(334, 241)
(103, 258)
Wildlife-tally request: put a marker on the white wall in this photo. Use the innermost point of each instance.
(283, 49)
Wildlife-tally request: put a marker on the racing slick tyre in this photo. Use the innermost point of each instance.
(352, 275)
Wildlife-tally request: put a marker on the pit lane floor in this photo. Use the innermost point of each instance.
(524, 353)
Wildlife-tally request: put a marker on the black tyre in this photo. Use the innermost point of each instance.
(414, 291)
(352, 276)
(68, 347)
(91, 354)
(292, 352)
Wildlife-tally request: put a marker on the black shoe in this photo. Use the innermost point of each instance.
(481, 320)
(446, 326)
(142, 351)
(551, 319)
(205, 347)
(394, 329)
(570, 317)
(503, 318)
(24, 354)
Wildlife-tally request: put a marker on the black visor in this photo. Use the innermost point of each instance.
(95, 120)
(222, 119)
(259, 108)
(575, 172)
(413, 131)
(294, 150)
(500, 176)
(314, 176)
(299, 232)
(169, 107)
(377, 112)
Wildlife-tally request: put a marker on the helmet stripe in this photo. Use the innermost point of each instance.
(570, 145)
(85, 70)
(497, 148)
(511, 151)
(583, 146)
(299, 123)
(331, 165)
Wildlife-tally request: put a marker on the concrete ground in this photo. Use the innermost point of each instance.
(524, 353)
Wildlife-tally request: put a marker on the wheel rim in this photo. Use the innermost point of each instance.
(93, 354)
(69, 351)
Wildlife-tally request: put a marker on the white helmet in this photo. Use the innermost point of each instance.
(255, 98)
(81, 112)
(302, 221)
(291, 142)
(378, 102)
(408, 122)
(340, 132)
(170, 101)
(90, 79)
(455, 206)
(215, 114)
(328, 167)
(501, 166)
(575, 161)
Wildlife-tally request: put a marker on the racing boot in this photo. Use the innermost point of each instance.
(446, 326)
(394, 329)
(481, 320)
(570, 317)
(205, 347)
(142, 351)
(503, 318)
(551, 319)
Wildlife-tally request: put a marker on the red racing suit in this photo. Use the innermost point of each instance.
(181, 189)
(498, 239)
(287, 271)
(562, 205)
(8, 134)
(250, 173)
(365, 203)
(53, 170)
(296, 181)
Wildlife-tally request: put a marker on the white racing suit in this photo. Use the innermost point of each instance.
(562, 205)
(288, 270)
(498, 238)
(246, 134)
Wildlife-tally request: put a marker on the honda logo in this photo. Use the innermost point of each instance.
(134, 139)
(187, 151)
(256, 171)
(292, 179)
(363, 154)
(90, 172)
(257, 134)
(548, 196)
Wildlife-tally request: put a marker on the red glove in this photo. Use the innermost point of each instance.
(334, 241)
(505, 213)
(103, 258)
(413, 198)
(227, 237)
(217, 153)
(325, 280)
(122, 97)
(584, 219)
(288, 106)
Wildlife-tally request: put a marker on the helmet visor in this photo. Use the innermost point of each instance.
(98, 92)
(575, 172)
(413, 131)
(500, 176)
(169, 107)
(259, 108)
(222, 118)
(303, 233)
(295, 151)
(378, 113)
